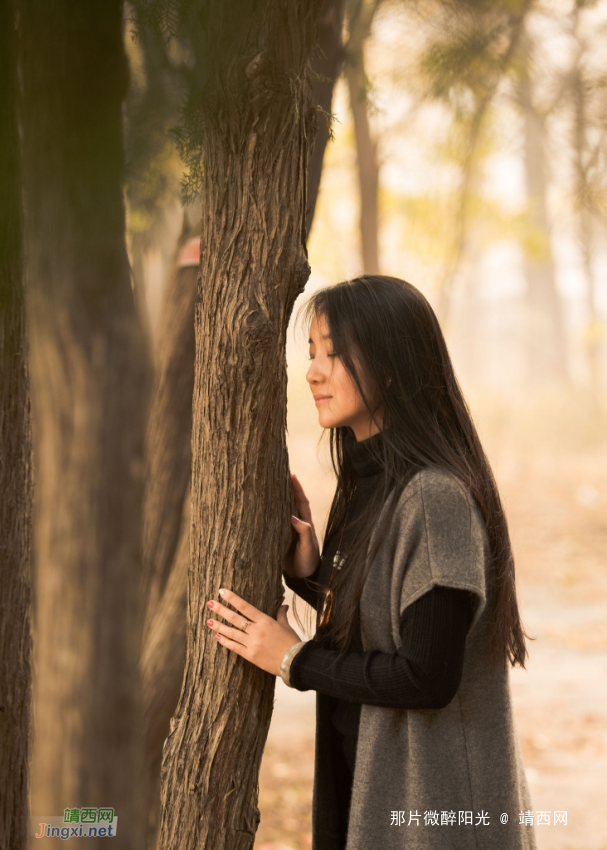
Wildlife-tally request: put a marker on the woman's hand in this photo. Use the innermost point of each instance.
(265, 640)
(303, 558)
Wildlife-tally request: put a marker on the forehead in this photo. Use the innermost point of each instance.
(319, 328)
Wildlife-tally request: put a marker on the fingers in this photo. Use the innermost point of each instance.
(226, 633)
(247, 611)
(282, 613)
(231, 644)
(301, 502)
(300, 526)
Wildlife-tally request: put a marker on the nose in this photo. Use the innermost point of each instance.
(313, 374)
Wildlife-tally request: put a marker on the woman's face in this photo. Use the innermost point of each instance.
(336, 397)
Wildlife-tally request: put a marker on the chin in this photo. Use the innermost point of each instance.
(330, 422)
(326, 421)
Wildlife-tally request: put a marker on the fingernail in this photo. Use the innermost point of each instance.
(209, 622)
(218, 637)
(210, 604)
(295, 520)
(222, 592)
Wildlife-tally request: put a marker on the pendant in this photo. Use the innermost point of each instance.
(339, 560)
(326, 607)
(327, 595)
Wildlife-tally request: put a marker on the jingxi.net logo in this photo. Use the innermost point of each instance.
(77, 823)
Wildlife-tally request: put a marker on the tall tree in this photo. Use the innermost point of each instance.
(166, 526)
(153, 169)
(546, 339)
(359, 21)
(168, 455)
(586, 89)
(15, 468)
(326, 63)
(89, 378)
(468, 50)
(253, 127)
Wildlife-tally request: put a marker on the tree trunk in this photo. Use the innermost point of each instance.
(366, 145)
(168, 457)
(168, 436)
(152, 179)
(497, 57)
(584, 215)
(592, 336)
(326, 65)
(257, 125)
(89, 378)
(470, 320)
(162, 672)
(166, 527)
(546, 339)
(15, 469)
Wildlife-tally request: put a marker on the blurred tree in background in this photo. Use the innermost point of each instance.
(359, 20)
(547, 354)
(585, 96)
(15, 466)
(500, 90)
(89, 380)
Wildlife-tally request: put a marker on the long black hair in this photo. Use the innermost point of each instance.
(389, 340)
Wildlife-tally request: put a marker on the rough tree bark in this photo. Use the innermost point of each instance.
(360, 21)
(546, 339)
(89, 378)
(257, 124)
(168, 455)
(15, 468)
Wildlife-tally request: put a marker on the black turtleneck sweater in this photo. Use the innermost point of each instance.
(424, 672)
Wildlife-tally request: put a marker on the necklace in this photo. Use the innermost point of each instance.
(339, 560)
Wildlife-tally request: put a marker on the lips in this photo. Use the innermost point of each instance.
(321, 397)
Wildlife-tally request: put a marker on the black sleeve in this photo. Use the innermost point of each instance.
(302, 588)
(424, 672)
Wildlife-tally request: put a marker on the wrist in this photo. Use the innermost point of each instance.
(310, 570)
(287, 659)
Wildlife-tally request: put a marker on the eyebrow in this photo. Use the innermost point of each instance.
(311, 341)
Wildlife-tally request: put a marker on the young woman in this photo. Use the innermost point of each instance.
(415, 593)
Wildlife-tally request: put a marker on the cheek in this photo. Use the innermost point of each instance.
(345, 389)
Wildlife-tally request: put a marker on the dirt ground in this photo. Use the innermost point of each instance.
(551, 467)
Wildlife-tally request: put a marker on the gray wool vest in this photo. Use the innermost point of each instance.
(437, 778)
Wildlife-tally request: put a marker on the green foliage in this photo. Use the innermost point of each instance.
(153, 169)
(468, 47)
(467, 50)
(222, 73)
(465, 64)
(171, 34)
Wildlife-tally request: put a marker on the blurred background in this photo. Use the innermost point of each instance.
(469, 158)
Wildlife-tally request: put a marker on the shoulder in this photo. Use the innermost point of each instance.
(435, 490)
(440, 537)
(437, 507)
